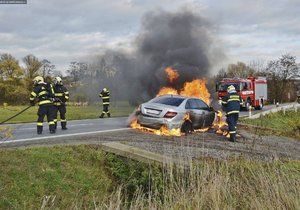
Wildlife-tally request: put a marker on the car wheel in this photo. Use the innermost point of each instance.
(187, 127)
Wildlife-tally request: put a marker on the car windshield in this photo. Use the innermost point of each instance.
(171, 101)
(223, 87)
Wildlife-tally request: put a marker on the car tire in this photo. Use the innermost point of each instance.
(187, 127)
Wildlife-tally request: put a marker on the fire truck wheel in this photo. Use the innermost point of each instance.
(187, 127)
(261, 105)
(247, 106)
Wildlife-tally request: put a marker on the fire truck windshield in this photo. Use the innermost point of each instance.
(224, 86)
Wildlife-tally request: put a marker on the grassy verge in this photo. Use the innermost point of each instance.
(84, 177)
(73, 112)
(286, 124)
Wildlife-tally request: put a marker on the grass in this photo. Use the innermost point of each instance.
(73, 112)
(84, 177)
(286, 124)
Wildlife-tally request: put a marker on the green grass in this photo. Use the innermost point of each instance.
(73, 112)
(84, 177)
(286, 124)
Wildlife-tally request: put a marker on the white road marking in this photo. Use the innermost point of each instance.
(20, 129)
(63, 135)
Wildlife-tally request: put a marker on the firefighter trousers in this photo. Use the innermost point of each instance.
(62, 110)
(232, 120)
(105, 110)
(46, 110)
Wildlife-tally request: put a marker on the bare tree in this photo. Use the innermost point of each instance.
(47, 68)
(279, 73)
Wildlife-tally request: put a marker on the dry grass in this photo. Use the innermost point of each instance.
(214, 185)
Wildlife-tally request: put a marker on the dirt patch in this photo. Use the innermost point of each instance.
(195, 146)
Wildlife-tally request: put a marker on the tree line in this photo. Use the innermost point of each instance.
(280, 74)
(86, 79)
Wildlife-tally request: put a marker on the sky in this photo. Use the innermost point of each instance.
(69, 30)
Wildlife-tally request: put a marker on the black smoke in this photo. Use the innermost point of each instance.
(182, 40)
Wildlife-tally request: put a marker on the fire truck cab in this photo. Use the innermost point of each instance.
(253, 91)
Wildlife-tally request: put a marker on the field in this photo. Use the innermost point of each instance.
(286, 124)
(73, 112)
(85, 177)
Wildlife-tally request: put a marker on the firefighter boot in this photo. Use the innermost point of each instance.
(64, 125)
(232, 137)
(108, 114)
(102, 115)
(39, 129)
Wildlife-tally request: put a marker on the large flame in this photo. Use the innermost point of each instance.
(196, 88)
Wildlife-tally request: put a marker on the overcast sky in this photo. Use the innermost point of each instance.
(66, 30)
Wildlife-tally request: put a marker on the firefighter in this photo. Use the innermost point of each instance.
(105, 100)
(44, 95)
(231, 104)
(61, 97)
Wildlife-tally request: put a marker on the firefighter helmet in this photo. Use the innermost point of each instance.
(105, 89)
(38, 79)
(57, 80)
(231, 88)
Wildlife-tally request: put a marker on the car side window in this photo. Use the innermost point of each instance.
(191, 104)
(202, 105)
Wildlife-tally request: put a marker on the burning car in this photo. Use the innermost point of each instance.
(180, 114)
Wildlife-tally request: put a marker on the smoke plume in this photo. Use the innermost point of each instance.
(181, 40)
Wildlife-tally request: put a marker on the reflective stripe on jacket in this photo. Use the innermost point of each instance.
(231, 103)
(43, 92)
(105, 95)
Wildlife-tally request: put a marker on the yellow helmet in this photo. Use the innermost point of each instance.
(38, 79)
(230, 88)
(105, 89)
(57, 80)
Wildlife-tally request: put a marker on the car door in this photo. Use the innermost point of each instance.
(196, 114)
(209, 115)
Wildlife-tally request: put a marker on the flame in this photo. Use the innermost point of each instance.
(163, 131)
(220, 124)
(196, 88)
(172, 74)
(167, 90)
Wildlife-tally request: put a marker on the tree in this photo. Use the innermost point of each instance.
(279, 72)
(11, 86)
(47, 68)
(239, 70)
(77, 71)
(31, 70)
(9, 67)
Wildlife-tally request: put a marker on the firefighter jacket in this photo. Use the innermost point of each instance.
(231, 103)
(44, 94)
(61, 94)
(105, 97)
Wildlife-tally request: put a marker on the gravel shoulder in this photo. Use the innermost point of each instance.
(195, 146)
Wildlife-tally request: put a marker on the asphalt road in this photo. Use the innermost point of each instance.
(27, 131)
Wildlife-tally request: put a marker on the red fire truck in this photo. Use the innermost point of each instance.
(253, 91)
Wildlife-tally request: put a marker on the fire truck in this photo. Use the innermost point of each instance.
(253, 91)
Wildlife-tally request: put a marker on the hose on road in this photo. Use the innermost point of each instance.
(15, 115)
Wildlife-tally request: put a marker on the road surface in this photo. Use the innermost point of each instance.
(27, 131)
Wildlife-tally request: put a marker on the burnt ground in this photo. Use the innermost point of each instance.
(194, 146)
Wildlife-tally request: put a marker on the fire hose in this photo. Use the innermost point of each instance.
(15, 115)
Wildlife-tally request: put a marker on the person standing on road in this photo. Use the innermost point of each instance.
(61, 97)
(44, 94)
(105, 95)
(231, 104)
